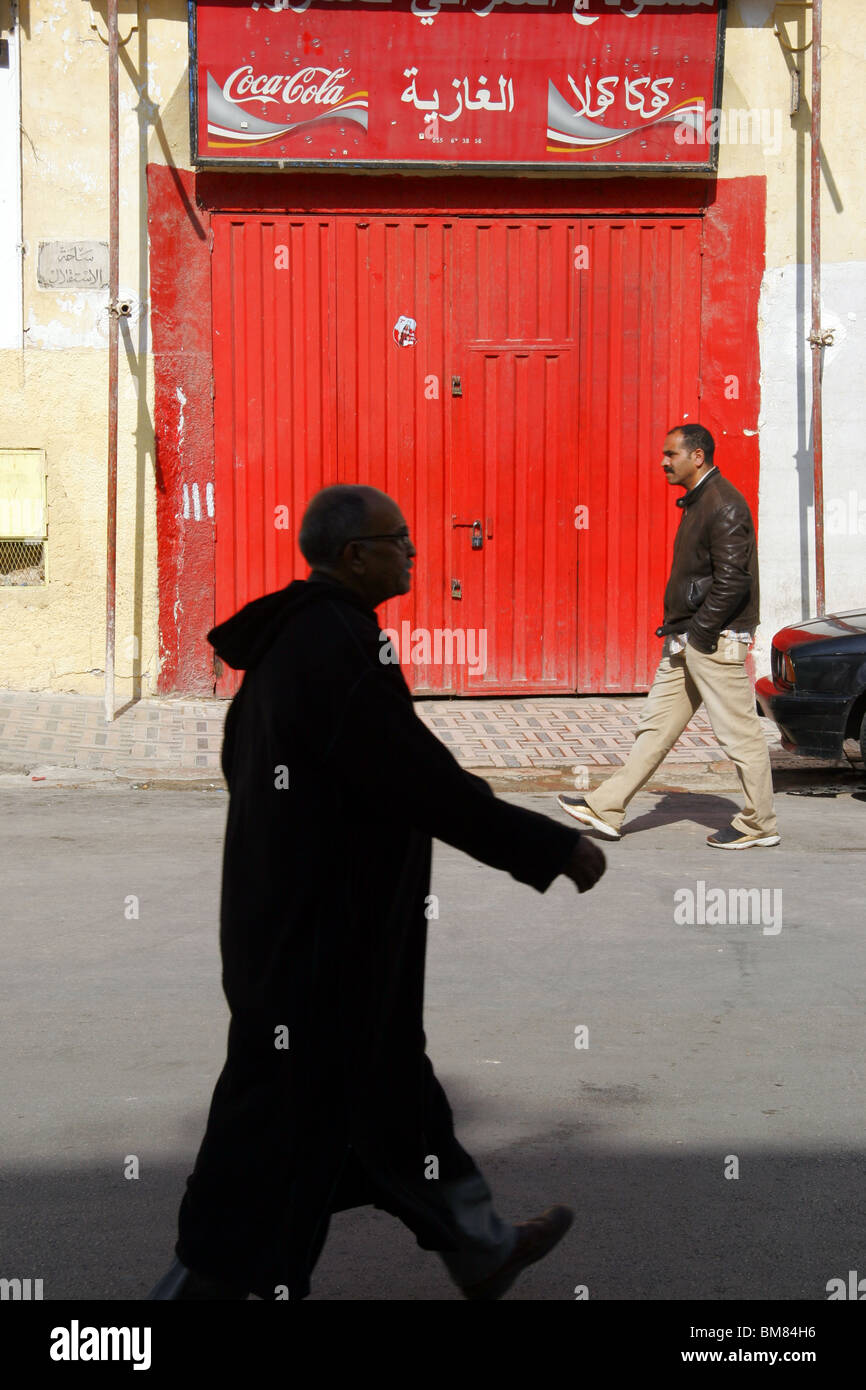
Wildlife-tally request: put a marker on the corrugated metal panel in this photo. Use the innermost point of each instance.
(639, 315)
(392, 401)
(274, 427)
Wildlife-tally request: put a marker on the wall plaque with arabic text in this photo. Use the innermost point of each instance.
(72, 265)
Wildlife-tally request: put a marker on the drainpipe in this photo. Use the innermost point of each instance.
(817, 338)
(15, 60)
(113, 289)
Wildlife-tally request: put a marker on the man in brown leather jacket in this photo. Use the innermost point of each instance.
(711, 611)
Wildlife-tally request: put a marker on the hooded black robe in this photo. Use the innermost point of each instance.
(327, 1099)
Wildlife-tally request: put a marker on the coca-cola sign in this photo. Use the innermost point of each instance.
(321, 85)
(483, 84)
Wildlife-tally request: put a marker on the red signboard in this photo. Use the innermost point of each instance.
(486, 84)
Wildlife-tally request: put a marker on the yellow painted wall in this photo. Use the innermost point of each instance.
(758, 76)
(55, 393)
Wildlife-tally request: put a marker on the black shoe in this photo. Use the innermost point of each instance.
(535, 1239)
(730, 838)
(181, 1284)
(577, 807)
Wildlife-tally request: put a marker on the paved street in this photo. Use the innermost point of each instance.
(707, 1043)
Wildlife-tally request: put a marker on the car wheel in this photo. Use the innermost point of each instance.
(863, 739)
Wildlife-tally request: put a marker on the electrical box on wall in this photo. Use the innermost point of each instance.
(23, 511)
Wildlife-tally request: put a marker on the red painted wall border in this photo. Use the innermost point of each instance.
(180, 277)
(733, 268)
(180, 208)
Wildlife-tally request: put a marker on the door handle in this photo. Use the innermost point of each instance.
(477, 531)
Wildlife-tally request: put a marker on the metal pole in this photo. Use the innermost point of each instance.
(113, 290)
(817, 339)
(15, 46)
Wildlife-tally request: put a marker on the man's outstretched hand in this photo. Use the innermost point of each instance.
(586, 864)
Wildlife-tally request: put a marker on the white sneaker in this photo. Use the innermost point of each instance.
(577, 807)
(730, 838)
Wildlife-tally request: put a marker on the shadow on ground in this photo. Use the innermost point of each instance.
(648, 1226)
(712, 812)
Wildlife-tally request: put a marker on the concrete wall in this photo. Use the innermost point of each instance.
(54, 388)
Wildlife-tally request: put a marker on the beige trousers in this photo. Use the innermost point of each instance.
(682, 684)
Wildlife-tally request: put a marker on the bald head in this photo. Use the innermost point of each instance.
(333, 517)
(358, 536)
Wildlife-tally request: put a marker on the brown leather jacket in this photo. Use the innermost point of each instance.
(713, 582)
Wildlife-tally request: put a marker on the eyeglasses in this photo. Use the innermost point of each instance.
(401, 537)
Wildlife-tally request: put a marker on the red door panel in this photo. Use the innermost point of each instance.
(639, 315)
(391, 404)
(274, 427)
(515, 452)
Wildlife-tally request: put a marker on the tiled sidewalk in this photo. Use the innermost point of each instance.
(158, 737)
(547, 732)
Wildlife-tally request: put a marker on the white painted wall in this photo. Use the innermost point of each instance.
(786, 511)
(10, 197)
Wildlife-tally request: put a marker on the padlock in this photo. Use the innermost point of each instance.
(477, 536)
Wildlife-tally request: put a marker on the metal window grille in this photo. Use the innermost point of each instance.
(21, 563)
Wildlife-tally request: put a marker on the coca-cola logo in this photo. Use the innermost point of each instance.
(308, 86)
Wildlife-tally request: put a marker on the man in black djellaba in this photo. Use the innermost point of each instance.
(327, 1099)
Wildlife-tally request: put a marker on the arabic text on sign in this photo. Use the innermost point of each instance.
(481, 101)
(635, 91)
